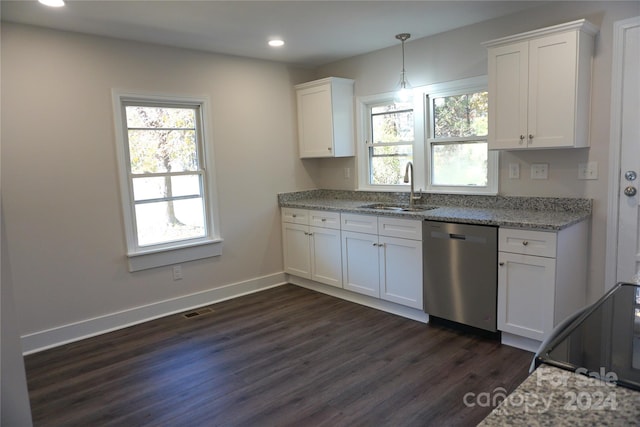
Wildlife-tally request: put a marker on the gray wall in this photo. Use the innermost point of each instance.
(62, 208)
(459, 54)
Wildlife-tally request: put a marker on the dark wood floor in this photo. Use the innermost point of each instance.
(285, 356)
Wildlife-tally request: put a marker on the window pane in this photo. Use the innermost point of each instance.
(388, 163)
(159, 151)
(169, 221)
(460, 115)
(392, 127)
(461, 164)
(160, 117)
(160, 187)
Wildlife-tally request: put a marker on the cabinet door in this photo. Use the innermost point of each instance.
(526, 289)
(508, 82)
(326, 256)
(297, 254)
(315, 121)
(552, 90)
(360, 264)
(401, 271)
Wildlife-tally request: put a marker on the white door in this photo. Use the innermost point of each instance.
(526, 297)
(326, 256)
(401, 271)
(297, 259)
(360, 263)
(552, 82)
(625, 140)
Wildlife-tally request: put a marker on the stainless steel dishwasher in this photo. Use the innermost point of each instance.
(461, 273)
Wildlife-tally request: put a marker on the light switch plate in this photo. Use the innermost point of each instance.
(540, 171)
(514, 170)
(588, 170)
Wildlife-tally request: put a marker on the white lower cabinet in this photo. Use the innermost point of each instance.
(312, 252)
(401, 271)
(382, 265)
(526, 294)
(541, 279)
(360, 263)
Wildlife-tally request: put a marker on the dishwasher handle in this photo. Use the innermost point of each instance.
(458, 236)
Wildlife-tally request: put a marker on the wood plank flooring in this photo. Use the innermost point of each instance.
(286, 356)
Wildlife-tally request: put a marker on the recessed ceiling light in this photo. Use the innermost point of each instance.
(276, 43)
(52, 3)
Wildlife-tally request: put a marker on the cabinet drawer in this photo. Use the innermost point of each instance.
(359, 223)
(527, 242)
(403, 228)
(325, 219)
(295, 216)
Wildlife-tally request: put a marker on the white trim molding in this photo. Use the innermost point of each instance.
(54, 337)
(615, 141)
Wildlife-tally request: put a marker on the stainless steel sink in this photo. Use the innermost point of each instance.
(398, 208)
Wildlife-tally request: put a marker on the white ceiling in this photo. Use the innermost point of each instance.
(316, 32)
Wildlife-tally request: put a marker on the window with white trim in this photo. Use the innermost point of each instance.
(458, 158)
(443, 131)
(166, 174)
(390, 142)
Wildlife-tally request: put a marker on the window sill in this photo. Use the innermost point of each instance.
(174, 255)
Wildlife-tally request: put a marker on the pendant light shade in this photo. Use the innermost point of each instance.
(403, 89)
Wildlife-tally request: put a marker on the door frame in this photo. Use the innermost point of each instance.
(615, 143)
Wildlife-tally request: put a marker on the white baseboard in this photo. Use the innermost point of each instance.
(389, 307)
(60, 335)
(522, 343)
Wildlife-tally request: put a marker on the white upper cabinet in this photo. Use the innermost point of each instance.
(539, 88)
(325, 118)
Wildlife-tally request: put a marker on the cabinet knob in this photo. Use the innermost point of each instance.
(522, 139)
(324, 220)
(294, 216)
(530, 136)
(329, 148)
(501, 264)
(525, 243)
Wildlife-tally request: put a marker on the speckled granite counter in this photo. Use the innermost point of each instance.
(555, 397)
(542, 213)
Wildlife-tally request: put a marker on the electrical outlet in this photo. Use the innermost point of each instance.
(514, 170)
(177, 272)
(588, 170)
(540, 171)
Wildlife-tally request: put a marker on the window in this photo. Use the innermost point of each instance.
(391, 142)
(457, 152)
(166, 180)
(390, 139)
(443, 131)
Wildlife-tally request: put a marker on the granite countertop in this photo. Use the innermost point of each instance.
(541, 213)
(552, 396)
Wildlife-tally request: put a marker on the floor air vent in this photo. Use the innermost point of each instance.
(196, 313)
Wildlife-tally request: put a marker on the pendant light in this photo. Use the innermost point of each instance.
(403, 90)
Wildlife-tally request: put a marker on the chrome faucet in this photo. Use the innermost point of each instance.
(408, 177)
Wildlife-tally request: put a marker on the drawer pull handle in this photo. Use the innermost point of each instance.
(501, 264)
(323, 219)
(525, 243)
(294, 216)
